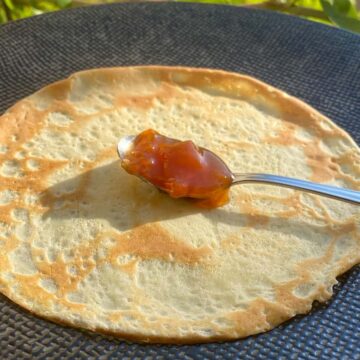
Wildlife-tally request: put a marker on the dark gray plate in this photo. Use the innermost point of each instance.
(316, 63)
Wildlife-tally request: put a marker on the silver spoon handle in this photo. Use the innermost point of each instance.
(351, 196)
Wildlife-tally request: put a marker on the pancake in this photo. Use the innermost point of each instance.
(85, 244)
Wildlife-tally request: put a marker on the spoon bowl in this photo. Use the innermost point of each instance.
(125, 145)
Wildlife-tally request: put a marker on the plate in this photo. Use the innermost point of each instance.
(313, 62)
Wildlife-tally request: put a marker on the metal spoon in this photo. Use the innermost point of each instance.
(347, 195)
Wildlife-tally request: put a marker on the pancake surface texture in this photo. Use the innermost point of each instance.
(86, 244)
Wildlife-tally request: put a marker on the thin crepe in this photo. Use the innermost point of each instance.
(86, 244)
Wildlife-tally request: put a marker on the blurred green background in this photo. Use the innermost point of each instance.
(341, 13)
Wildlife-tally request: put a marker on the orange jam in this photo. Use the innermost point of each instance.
(179, 168)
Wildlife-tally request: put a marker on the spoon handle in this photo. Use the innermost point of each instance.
(351, 196)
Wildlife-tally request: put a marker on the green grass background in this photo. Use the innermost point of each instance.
(341, 13)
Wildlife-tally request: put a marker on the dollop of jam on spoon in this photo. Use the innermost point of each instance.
(180, 168)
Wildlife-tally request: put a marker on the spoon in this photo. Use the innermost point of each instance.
(347, 195)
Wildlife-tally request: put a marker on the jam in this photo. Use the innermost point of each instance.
(179, 168)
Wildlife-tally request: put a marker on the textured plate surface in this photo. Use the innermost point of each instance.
(313, 62)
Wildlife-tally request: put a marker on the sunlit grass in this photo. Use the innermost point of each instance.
(342, 13)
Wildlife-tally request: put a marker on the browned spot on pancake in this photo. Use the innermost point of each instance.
(115, 317)
(8, 244)
(257, 219)
(58, 271)
(66, 108)
(130, 267)
(30, 289)
(343, 228)
(253, 318)
(240, 145)
(78, 120)
(19, 125)
(5, 216)
(201, 80)
(152, 241)
(253, 215)
(138, 102)
(275, 313)
(321, 164)
(289, 213)
(231, 242)
(285, 296)
(163, 93)
(57, 91)
(306, 267)
(271, 314)
(351, 158)
(284, 137)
